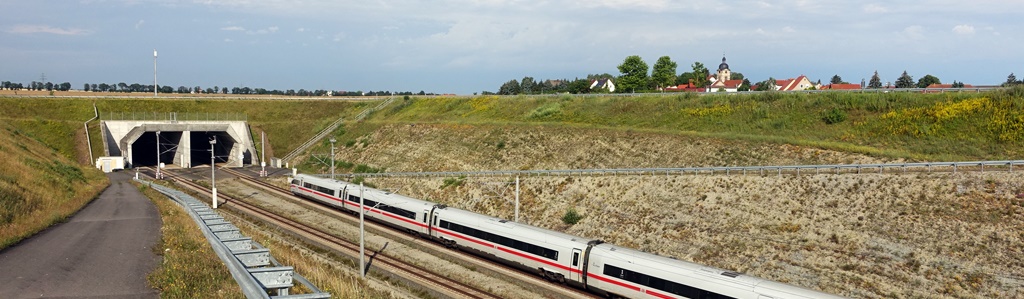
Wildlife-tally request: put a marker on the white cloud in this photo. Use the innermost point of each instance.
(963, 29)
(875, 8)
(32, 29)
(139, 24)
(914, 32)
(268, 30)
(228, 40)
(301, 29)
(233, 28)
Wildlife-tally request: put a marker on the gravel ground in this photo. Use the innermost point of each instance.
(916, 235)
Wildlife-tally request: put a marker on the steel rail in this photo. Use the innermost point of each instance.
(407, 269)
(471, 259)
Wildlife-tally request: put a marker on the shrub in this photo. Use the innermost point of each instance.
(834, 116)
(571, 217)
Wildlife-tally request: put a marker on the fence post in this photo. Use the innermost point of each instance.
(954, 168)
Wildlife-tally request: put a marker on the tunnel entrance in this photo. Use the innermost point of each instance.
(201, 147)
(145, 149)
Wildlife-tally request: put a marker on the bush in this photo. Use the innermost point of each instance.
(571, 217)
(834, 116)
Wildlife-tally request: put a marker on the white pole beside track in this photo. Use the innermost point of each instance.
(517, 198)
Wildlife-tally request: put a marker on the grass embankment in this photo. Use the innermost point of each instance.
(288, 123)
(38, 186)
(941, 126)
(190, 268)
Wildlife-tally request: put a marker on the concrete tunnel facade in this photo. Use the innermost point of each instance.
(182, 143)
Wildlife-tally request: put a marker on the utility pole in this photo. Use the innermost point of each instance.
(213, 171)
(263, 152)
(154, 73)
(517, 199)
(159, 175)
(332, 156)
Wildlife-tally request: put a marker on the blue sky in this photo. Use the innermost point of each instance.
(466, 46)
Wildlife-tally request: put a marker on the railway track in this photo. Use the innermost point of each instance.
(523, 278)
(420, 275)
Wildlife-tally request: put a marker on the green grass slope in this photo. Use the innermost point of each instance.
(935, 126)
(57, 122)
(39, 186)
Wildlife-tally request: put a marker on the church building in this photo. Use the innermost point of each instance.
(722, 81)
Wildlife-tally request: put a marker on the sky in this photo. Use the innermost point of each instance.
(467, 46)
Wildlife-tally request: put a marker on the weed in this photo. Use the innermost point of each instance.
(453, 182)
(571, 217)
(834, 116)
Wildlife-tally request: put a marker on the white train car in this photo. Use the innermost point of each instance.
(405, 213)
(626, 273)
(553, 255)
(618, 272)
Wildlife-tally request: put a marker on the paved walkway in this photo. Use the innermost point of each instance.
(103, 251)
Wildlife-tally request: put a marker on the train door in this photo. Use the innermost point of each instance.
(576, 265)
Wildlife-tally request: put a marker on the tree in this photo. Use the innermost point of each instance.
(905, 81)
(766, 85)
(737, 76)
(1011, 80)
(876, 82)
(927, 80)
(957, 84)
(511, 87)
(578, 86)
(528, 85)
(684, 78)
(634, 74)
(224, 90)
(745, 86)
(86, 87)
(664, 73)
(700, 75)
(837, 80)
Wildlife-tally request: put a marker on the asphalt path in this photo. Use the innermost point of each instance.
(103, 251)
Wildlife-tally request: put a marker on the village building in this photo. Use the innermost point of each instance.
(722, 81)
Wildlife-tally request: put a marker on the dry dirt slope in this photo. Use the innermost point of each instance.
(912, 235)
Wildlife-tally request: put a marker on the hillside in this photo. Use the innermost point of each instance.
(891, 235)
(38, 185)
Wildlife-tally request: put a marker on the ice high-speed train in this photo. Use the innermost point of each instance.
(607, 269)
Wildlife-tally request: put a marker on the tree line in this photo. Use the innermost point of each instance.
(144, 88)
(636, 76)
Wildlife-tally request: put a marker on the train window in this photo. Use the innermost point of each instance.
(502, 240)
(575, 259)
(661, 284)
(295, 182)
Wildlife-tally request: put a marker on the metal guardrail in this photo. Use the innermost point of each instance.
(320, 136)
(791, 169)
(250, 264)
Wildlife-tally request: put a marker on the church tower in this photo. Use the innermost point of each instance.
(723, 71)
